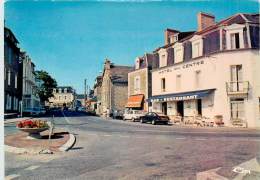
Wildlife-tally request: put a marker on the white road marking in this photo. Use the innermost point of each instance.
(107, 135)
(67, 120)
(125, 136)
(200, 139)
(254, 139)
(11, 176)
(32, 168)
(180, 138)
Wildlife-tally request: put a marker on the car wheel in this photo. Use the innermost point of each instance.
(166, 123)
(153, 122)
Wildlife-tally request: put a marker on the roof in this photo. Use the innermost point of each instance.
(119, 74)
(12, 34)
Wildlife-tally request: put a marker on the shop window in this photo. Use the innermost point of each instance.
(163, 84)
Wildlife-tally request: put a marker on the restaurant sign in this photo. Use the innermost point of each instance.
(177, 98)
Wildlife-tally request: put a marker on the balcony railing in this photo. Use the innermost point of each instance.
(239, 87)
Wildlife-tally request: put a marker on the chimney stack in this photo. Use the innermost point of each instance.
(205, 20)
(107, 64)
(169, 36)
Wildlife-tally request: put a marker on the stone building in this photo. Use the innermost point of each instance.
(64, 96)
(139, 82)
(12, 78)
(29, 92)
(114, 87)
(214, 72)
(97, 94)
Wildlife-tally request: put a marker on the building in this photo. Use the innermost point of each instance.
(139, 82)
(97, 94)
(30, 98)
(63, 96)
(12, 78)
(214, 72)
(114, 87)
(80, 100)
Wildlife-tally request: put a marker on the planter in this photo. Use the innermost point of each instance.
(218, 119)
(33, 133)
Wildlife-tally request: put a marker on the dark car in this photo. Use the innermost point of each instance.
(154, 118)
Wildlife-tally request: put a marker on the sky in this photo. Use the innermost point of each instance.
(72, 39)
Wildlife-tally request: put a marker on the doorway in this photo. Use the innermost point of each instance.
(180, 109)
(164, 108)
(199, 107)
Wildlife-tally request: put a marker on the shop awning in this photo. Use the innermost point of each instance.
(181, 96)
(135, 101)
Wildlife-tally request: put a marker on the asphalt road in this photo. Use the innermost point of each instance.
(114, 149)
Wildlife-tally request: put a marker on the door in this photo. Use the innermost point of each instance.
(164, 108)
(236, 78)
(199, 107)
(180, 110)
(237, 109)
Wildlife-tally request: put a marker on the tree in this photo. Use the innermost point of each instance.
(45, 89)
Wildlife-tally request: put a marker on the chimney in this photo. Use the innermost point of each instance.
(107, 64)
(205, 20)
(169, 36)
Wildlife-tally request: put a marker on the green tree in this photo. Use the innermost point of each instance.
(47, 84)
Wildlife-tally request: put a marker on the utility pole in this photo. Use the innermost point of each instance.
(85, 88)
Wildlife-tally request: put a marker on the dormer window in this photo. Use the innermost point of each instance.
(65, 90)
(178, 53)
(163, 58)
(59, 90)
(137, 63)
(197, 46)
(235, 36)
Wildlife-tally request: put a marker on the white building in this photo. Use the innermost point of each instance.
(30, 97)
(63, 96)
(213, 72)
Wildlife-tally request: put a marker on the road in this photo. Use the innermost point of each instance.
(114, 149)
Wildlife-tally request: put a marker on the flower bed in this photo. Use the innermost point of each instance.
(32, 124)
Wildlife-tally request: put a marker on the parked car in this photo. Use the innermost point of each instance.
(117, 114)
(154, 118)
(133, 115)
(32, 111)
(82, 109)
(42, 111)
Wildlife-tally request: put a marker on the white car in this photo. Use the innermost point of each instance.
(133, 115)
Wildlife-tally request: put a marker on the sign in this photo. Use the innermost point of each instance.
(184, 66)
(178, 98)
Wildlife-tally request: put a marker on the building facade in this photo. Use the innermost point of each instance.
(212, 73)
(30, 98)
(139, 82)
(12, 78)
(114, 87)
(63, 96)
(97, 94)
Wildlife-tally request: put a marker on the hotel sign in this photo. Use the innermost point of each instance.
(185, 66)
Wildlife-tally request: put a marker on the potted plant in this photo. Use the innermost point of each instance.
(33, 127)
(218, 119)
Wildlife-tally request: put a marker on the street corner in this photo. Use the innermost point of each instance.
(19, 143)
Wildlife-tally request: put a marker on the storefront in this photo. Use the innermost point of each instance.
(182, 104)
(135, 102)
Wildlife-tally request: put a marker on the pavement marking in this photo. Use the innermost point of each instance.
(30, 168)
(124, 136)
(11, 176)
(200, 139)
(107, 135)
(254, 139)
(67, 120)
(180, 138)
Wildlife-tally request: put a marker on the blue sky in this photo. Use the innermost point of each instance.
(70, 40)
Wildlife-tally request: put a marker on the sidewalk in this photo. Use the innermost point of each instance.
(14, 120)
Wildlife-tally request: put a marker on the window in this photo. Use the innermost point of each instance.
(9, 78)
(235, 41)
(54, 90)
(65, 90)
(196, 50)
(137, 64)
(65, 97)
(163, 84)
(5, 74)
(178, 54)
(163, 60)
(197, 78)
(59, 90)
(15, 81)
(236, 78)
(137, 84)
(197, 46)
(178, 82)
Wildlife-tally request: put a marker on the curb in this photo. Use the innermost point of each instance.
(64, 148)
(69, 144)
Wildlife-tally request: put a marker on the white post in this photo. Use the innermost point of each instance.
(21, 108)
